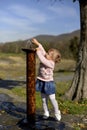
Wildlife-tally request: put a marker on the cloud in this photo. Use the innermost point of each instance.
(31, 14)
(21, 21)
(18, 21)
(22, 16)
(64, 11)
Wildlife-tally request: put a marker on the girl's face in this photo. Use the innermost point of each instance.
(49, 55)
(53, 55)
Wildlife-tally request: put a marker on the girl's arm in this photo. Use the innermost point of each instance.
(41, 54)
(34, 41)
(44, 60)
(39, 46)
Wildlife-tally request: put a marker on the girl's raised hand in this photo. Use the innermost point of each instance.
(35, 41)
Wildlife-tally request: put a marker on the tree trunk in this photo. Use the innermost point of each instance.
(78, 89)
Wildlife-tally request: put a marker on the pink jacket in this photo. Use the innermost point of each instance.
(46, 67)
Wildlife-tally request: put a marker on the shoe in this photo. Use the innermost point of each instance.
(46, 115)
(58, 116)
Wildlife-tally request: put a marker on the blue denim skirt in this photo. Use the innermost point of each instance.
(46, 87)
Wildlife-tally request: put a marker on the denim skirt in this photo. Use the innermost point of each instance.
(46, 87)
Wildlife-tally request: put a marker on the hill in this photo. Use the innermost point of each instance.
(61, 42)
(60, 38)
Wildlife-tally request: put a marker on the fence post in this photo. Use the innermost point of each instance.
(30, 84)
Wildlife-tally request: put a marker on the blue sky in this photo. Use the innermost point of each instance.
(23, 19)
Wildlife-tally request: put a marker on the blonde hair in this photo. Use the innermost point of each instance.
(56, 56)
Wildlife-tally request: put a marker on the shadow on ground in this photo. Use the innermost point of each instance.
(12, 116)
(13, 110)
(9, 84)
(42, 124)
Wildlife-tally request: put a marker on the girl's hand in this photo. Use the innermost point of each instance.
(37, 49)
(34, 41)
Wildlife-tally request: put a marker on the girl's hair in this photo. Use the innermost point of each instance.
(56, 56)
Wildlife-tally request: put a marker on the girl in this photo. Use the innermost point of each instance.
(45, 82)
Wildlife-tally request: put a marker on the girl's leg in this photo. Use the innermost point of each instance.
(45, 105)
(55, 106)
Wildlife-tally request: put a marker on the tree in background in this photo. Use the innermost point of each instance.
(74, 44)
(78, 89)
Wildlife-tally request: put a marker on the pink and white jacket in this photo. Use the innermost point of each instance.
(46, 67)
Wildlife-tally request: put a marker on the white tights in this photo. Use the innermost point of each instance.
(53, 102)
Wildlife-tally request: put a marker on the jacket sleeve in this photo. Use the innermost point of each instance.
(44, 60)
(42, 49)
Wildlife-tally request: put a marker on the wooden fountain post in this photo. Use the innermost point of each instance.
(30, 84)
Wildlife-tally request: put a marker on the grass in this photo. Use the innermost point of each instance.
(70, 107)
(19, 91)
(65, 65)
(13, 67)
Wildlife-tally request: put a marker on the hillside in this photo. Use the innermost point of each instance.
(61, 42)
(60, 38)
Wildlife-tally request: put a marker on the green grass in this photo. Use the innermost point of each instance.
(19, 91)
(61, 87)
(66, 106)
(71, 107)
(38, 101)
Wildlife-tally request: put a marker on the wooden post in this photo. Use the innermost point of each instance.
(30, 90)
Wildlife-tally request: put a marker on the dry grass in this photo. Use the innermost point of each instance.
(14, 66)
(65, 65)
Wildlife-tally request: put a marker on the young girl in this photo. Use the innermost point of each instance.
(45, 82)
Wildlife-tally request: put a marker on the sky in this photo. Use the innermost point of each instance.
(24, 19)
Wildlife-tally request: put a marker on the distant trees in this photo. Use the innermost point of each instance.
(67, 48)
(12, 47)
